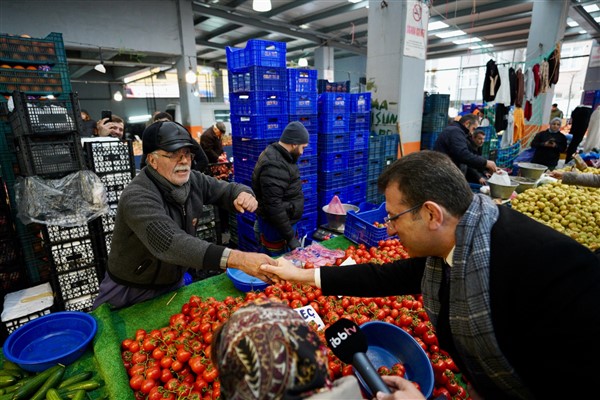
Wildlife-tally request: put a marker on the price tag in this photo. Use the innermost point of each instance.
(309, 314)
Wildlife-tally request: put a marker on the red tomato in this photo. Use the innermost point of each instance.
(136, 382)
(383, 370)
(210, 374)
(183, 355)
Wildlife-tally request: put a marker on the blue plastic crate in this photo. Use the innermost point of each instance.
(262, 53)
(258, 103)
(358, 158)
(258, 79)
(357, 193)
(302, 103)
(323, 85)
(333, 179)
(333, 161)
(373, 194)
(360, 229)
(302, 80)
(436, 103)
(311, 149)
(307, 165)
(375, 146)
(357, 174)
(331, 103)
(310, 203)
(360, 122)
(359, 140)
(243, 168)
(333, 143)
(434, 122)
(258, 126)
(360, 102)
(325, 196)
(333, 123)
(310, 122)
(428, 140)
(390, 145)
(307, 223)
(249, 148)
(374, 168)
(309, 186)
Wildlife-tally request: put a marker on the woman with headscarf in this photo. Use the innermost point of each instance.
(267, 351)
(549, 144)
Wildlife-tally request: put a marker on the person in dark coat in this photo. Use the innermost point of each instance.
(478, 176)
(493, 282)
(580, 119)
(454, 141)
(276, 182)
(211, 141)
(549, 144)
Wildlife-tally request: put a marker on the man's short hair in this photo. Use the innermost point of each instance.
(472, 118)
(478, 132)
(554, 105)
(116, 118)
(428, 176)
(161, 115)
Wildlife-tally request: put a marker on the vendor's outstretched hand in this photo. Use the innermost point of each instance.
(401, 388)
(287, 271)
(245, 202)
(250, 263)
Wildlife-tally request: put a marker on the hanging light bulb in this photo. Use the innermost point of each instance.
(117, 96)
(190, 77)
(261, 5)
(303, 62)
(100, 66)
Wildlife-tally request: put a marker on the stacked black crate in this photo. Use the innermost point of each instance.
(259, 113)
(435, 118)
(38, 67)
(48, 145)
(333, 150)
(114, 163)
(358, 156)
(12, 274)
(302, 92)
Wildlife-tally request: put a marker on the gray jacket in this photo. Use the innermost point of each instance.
(574, 178)
(154, 240)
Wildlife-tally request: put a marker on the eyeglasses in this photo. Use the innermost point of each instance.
(389, 219)
(178, 155)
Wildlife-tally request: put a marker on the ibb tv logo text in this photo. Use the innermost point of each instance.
(336, 341)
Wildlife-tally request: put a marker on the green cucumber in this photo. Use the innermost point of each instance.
(52, 394)
(36, 382)
(75, 379)
(52, 381)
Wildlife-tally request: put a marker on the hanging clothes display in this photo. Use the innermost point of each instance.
(536, 79)
(508, 135)
(544, 81)
(491, 82)
(519, 124)
(501, 120)
(520, 88)
(503, 93)
(512, 78)
(554, 65)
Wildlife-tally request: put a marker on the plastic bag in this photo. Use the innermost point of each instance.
(73, 200)
(336, 207)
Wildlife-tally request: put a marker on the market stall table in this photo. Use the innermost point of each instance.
(104, 358)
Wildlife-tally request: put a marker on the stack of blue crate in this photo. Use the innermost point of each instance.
(259, 113)
(358, 156)
(302, 107)
(383, 150)
(333, 149)
(435, 118)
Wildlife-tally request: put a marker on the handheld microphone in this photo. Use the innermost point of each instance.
(349, 344)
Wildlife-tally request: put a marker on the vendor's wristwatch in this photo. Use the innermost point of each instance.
(224, 258)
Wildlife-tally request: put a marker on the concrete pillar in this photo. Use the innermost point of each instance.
(324, 62)
(188, 103)
(396, 68)
(548, 23)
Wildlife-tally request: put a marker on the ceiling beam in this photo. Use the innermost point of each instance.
(482, 35)
(331, 12)
(274, 26)
(220, 31)
(478, 10)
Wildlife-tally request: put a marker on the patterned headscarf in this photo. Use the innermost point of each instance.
(267, 351)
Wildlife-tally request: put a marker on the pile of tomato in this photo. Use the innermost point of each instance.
(174, 363)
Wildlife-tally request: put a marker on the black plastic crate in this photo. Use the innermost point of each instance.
(71, 256)
(108, 241)
(110, 157)
(58, 234)
(44, 116)
(115, 184)
(108, 220)
(83, 303)
(207, 233)
(50, 156)
(12, 279)
(78, 283)
(13, 324)
(9, 253)
(208, 215)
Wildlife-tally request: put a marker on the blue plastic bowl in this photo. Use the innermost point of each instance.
(244, 282)
(60, 337)
(388, 345)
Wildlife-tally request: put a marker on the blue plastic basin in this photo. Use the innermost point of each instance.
(57, 338)
(244, 282)
(389, 344)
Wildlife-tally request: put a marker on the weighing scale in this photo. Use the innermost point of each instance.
(325, 232)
